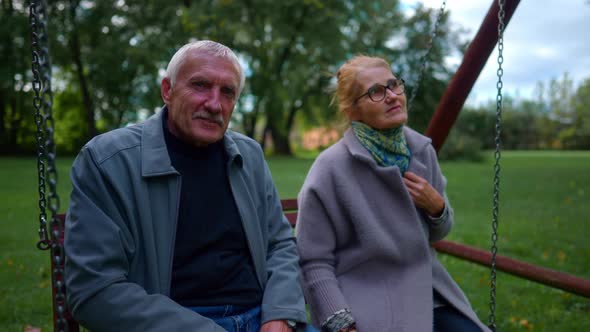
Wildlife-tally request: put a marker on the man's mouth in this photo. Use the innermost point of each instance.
(214, 118)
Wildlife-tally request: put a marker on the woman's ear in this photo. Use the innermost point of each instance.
(352, 114)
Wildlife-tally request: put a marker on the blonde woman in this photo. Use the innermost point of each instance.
(370, 208)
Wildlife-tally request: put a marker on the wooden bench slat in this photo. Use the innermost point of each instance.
(289, 204)
(292, 217)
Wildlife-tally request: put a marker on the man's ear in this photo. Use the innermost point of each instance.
(166, 89)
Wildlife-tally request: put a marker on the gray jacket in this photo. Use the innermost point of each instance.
(121, 225)
(365, 246)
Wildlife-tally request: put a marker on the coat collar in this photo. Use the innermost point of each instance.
(417, 143)
(155, 160)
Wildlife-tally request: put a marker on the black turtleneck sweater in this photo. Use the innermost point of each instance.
(212, 263)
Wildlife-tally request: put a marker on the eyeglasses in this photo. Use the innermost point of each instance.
(377, 92)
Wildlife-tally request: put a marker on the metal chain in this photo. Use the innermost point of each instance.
(46, 152)
(496, 197)
(49, 123)
(424, 58)
(44, 242)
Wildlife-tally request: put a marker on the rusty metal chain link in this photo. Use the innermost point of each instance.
(424, 58)
(46, 152)
(44, 242)
(498, 141)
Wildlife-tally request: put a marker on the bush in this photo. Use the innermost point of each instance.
(461, 146)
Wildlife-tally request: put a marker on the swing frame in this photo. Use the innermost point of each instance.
(489, 34)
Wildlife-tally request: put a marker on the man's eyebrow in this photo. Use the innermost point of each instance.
(198, 78)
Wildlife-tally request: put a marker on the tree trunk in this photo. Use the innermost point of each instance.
(2, 115)
(76, 55)
(280, 140)
(265, 135)
(280, 136)
(281, 144)
(8, 8)
(250, 120)
(12, 135)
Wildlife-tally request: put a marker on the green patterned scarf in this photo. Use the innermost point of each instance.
(388, 147)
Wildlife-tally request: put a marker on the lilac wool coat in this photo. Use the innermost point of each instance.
(364, 245)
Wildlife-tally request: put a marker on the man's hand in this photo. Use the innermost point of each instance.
(424, 195)
(275, 326)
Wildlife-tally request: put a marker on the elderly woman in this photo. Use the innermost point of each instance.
(369, 210)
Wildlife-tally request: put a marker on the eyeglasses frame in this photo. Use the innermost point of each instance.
(397, 80)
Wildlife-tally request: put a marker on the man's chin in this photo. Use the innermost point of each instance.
(204, 140)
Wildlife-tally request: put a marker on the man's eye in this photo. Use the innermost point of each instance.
(199, 84)
(229, 92)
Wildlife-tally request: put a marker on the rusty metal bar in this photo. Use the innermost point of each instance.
(462, 82)
(71, 324)
(545, 276)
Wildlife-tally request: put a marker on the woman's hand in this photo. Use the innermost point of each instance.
(424, 195)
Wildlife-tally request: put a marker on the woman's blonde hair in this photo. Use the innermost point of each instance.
(347, 86)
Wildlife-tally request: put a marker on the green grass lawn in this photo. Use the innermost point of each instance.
(544, 220)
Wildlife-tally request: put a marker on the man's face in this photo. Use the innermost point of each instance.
(202, 99)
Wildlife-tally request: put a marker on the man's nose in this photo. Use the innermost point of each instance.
(213, 103)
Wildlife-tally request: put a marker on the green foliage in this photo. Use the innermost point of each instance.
(107, 56)
(564, 122)
(109, 53)
(557, 119)
(577, 136)
(108, 48)
(461, 146)
(477, 123)
(16, 121)
(417, 33)
(70, 127)
(291, 48)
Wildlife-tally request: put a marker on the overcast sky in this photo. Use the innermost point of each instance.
(544, 39)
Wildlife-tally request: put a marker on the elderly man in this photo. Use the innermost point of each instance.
(174, 224)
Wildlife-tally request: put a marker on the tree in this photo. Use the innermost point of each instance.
(16, 121)
(417, 32)
(108, 47)
(289, 47)
(578, 135)
(109, 53)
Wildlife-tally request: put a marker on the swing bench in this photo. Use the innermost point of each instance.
(471, 254)
(439, 127)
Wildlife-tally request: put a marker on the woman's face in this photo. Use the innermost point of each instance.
(385, 114)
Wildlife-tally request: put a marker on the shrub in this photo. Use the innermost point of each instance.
(461, 146)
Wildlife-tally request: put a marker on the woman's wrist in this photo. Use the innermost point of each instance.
(341, 320)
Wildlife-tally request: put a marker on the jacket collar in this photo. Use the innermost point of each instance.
(155, 160)
(417, 143)
(232, 149)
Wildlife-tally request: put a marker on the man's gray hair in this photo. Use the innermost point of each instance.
(208, 47)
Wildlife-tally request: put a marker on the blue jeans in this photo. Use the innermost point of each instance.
(232, 318)
(236, 318)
